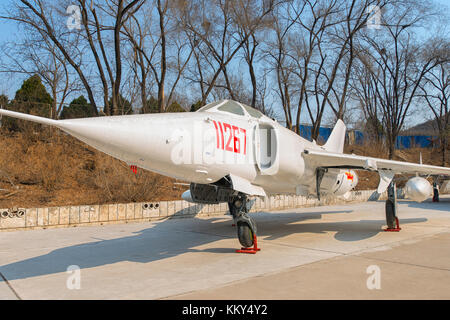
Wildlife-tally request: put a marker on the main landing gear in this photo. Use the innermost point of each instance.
(435, 192)
(391, 209)
(246, 227)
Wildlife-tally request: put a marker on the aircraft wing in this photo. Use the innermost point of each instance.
(350, 161)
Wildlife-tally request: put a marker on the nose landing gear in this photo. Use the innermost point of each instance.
(246, 227)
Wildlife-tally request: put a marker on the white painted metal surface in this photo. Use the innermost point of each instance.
(418, 189)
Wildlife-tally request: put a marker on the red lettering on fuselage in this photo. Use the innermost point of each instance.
(229, 137)
(217, 134)
(227, 130)
(221, 135)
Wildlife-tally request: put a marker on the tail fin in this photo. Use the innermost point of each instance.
(335, 142)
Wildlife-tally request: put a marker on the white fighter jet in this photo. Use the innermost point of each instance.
(229, 151)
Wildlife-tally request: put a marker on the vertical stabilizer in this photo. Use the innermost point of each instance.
(336, 140)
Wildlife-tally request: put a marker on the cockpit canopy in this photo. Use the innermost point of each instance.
(233, 107)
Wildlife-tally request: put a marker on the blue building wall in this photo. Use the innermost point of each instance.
(403, 142)
(324, 133)
(407, 142)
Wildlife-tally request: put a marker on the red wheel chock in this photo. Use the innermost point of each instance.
(253, 250)
(394, 229)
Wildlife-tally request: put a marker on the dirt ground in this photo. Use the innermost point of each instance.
(54, 169)
(60, 170)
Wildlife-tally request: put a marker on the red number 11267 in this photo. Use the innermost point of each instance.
(229, 137)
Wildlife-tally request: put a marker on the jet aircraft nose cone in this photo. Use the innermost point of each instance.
(132, 135)
(151, 141)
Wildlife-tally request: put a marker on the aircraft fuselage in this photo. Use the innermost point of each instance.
(202, 147)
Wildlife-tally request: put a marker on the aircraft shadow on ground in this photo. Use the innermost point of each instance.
(442, 205)
(347, 231)
(166, 239)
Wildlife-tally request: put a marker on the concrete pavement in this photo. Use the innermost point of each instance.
(308, 253)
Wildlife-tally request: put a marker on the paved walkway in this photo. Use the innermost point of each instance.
(310, 253)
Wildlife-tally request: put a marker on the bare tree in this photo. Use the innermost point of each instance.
(436, 92)
(119, 12)
(244, 13)
(280, 57)
(314, 56)
(38, 15)
(399, 64)
(36, 54)
(48, 20)
(137, 34)
(160, 51)
(310, 60)
(212, 26)
(363, 91)
(329, 55)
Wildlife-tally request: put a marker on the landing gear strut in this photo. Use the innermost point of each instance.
(435, 192)
(246, 227)
(391, 209)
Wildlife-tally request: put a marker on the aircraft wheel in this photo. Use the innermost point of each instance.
(245, 235)
(390, 215)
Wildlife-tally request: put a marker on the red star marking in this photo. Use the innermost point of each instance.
(349, 175)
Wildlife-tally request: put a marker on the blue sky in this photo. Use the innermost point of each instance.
(9, 32)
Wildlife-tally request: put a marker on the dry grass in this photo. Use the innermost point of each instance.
(116, 182)
(54, 170)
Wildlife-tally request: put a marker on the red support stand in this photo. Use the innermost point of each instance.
(253, 250)
(394, 229)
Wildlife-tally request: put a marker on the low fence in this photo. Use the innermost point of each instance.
(146, 211)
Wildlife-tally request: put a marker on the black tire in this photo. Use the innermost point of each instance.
(390, 217)
(245, 235)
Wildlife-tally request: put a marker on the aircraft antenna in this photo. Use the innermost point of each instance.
(420, 162)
